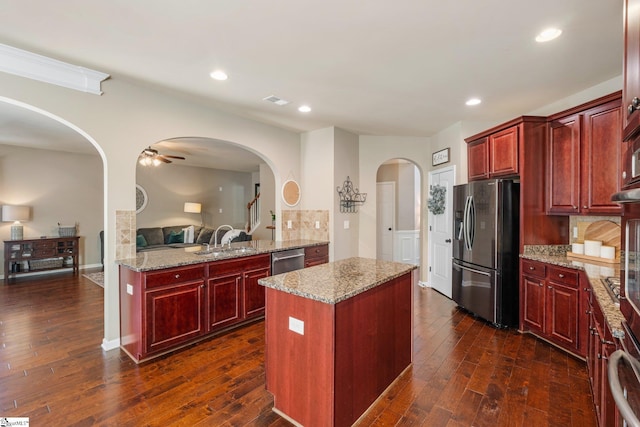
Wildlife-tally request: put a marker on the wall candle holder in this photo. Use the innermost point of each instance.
(350, 198)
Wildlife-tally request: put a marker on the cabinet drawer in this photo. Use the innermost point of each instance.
(44, 252)
(564, 276)
(44, 245)
(174, 275)
(533, 268)
(321, 251)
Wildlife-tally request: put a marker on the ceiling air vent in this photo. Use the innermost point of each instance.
(278, 101)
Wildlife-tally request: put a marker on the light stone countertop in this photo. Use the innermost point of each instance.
(556, 255)
(167, 258)
(337, 281)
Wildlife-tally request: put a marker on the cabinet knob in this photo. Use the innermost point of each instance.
(586, 289)
(584, 206)
(177, 276)
(560, 275)
(587, 312)
(550, 287)
(531, 268)
(635, 103)
(574, 206)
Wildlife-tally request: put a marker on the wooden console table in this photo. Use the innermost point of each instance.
(47, 253)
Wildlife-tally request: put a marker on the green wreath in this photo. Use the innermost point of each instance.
(436, 203)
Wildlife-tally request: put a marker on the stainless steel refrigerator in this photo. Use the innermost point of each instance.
(485, 249)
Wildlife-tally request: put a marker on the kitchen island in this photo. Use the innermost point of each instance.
(337, 335)
(171, 298)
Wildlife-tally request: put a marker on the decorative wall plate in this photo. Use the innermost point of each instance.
(291, 192)
(141, 199)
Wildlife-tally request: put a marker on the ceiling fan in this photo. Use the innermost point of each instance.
(151, 157)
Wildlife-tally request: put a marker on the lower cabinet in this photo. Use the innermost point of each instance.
(601, 345)
(550, 304)
(316, 255)
(164, 309)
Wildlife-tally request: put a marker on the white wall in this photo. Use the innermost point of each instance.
(345, 241)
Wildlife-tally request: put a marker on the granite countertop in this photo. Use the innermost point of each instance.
(167, 258)
(596, 273)
(337, 281)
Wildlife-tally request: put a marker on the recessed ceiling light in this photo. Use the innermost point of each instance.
(304, 109)
(548, 35)
(219, 75)
(473, 101)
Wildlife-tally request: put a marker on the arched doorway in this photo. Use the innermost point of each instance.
(398, 211)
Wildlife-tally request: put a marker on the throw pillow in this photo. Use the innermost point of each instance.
(176, 237)
(141, 242)
(189, 234)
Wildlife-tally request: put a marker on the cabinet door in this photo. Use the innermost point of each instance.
(254, 293)
(533, 309)
(564, 166)
(503, 153)
(173, 315)
(478, 159)
(225, 300)
(562, 314)
(601, 159)
(631, 67)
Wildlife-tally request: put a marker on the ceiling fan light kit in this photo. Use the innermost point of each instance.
(151, 157)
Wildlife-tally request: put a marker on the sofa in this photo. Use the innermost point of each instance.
(157, 238)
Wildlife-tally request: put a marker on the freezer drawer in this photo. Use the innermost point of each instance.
(474, 288)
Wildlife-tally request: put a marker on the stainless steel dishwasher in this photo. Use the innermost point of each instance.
(285, 261)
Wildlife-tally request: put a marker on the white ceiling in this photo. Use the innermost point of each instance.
(369, 67)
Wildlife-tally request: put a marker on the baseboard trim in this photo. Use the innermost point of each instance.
(62, 270)
(110, 344)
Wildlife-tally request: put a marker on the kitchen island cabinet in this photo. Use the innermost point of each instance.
(337, 335)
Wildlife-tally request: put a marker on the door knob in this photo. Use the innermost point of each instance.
(448, 241)
(389, 228)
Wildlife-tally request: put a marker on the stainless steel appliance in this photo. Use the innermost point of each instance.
(624, 364)
(485, 249)
(285, 261)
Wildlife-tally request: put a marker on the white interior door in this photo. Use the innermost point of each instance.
(440, 234)
(385, 214)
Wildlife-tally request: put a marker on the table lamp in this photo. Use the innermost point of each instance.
(190, 207)
(15, 214)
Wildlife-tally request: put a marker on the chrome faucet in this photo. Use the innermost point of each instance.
(215, 240)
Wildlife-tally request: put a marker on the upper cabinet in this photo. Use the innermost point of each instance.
(493, 156)
(583, 158)
(631, 69)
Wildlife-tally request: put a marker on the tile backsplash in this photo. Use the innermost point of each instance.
(125, 234)
(303, 224)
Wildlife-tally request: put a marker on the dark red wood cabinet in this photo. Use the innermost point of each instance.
(316, 255)
(584, 165)
(493, 156)
(631, 69)
(550, 304)
(165, 309)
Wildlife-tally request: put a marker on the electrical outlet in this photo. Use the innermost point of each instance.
(346, 224)
(296, 325)
(317, 224)
(289, 225)
(219, 188)
(129, 289)
(575, 232)
(220, 210)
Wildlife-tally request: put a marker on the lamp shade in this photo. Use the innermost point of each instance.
(190, 207)
(15, 213)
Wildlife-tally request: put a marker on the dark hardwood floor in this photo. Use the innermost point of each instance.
(465, 372)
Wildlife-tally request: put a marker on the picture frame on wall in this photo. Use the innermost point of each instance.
(440, 157)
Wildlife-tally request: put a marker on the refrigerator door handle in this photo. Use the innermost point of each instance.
(473, 270)
(472, 222)
(465, 224)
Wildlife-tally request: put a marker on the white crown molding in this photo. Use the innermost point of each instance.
(33, 66)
